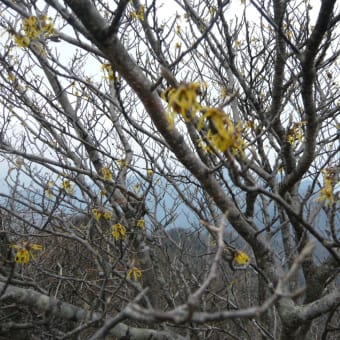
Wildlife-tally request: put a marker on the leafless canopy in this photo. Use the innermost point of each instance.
(169, 169)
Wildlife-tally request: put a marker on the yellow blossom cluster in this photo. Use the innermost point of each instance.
(295, 133)
(21, 40)
(118, 231)
(139, 15)
(24, 251)
(106, 173)
(140, 223)
(122, 163)
(100, 213)
(241, 258)
(326, 194)
(32, 28)
(67, 186)
(107, 68)
(183, 101)
(222, 135)
(149, 172)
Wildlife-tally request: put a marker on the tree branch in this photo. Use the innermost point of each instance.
(126, 66)
(70, 312)
(308, 79)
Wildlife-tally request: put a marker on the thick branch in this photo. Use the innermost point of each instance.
(70, 312)
(319, 307)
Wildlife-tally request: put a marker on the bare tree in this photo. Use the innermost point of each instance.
(170, 169)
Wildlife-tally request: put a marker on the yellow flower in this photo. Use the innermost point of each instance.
(140, 223)
(212, 10)
(203, 145)
(217, 142)
(22, 256)
(108, 68)
(224, 92)
(223, 135)
(48, 189)
(241, 258)
(118, 231)
(233, 283)
(239, 143)
(107, 175)
(139, 15)
(238, 43)
(326, 193)
(135, 273)
(107, 215)
(133, 15)
(31, 28)
(24, 251)
(295, 134)
(149, 172)
(250, 124)
(22, 41)
(183, 101)
(11, 76)
(281, 168)
(29, 22)
(34, 246)
(48, 28)
(178, 29)
(97, 214)
(67, 186)
(122, 163)
(220, 120)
